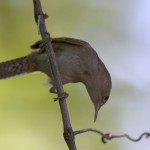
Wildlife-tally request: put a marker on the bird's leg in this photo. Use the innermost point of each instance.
(60, 97)
(53, 90)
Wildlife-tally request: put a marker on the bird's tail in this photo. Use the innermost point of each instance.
(16, 67)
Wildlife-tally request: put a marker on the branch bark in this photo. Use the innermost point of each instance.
(40, 20)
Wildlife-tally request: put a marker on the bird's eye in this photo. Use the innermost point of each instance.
(107, 97)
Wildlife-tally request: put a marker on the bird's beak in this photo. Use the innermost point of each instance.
(96, 113)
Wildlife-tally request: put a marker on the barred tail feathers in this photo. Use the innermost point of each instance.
(16, 67)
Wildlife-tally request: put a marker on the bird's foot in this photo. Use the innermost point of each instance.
(63, 96)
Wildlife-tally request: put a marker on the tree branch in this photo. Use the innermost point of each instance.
(40, 20)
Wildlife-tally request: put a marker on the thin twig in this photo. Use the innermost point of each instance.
(107, 136)
(40, 20)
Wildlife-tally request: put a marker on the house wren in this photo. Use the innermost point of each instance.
(77, 62)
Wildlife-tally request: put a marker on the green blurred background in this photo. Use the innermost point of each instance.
(119, 32)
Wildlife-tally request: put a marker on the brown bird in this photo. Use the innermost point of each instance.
(77, 62)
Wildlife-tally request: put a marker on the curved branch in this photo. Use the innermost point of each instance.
(107, 136)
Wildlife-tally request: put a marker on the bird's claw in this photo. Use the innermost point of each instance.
(61, 97)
